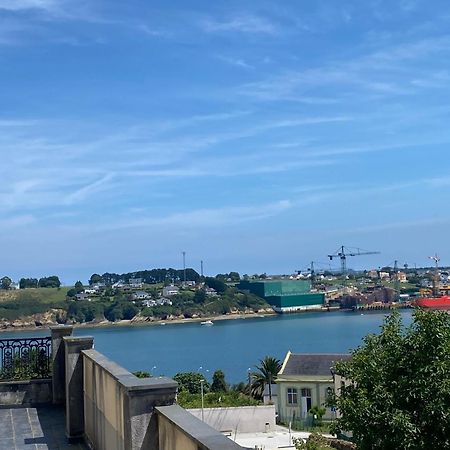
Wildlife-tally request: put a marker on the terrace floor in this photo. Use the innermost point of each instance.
(41, 428)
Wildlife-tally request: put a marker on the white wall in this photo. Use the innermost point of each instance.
(246, 419)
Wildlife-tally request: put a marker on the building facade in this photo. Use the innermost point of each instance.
(285, 295)
(305, 380)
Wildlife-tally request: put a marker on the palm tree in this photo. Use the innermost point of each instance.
(266, 373)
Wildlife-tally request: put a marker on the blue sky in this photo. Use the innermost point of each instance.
(255, 135)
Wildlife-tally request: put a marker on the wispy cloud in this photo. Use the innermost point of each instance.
(241, 24)
(382, 72)
(238, 62)
(89, 189)
(204, 218)
(19, 5)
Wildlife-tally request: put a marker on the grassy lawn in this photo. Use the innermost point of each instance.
(24, 302)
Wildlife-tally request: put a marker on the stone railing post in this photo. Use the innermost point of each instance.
(142, 396)
(59, 362)
(74, 384)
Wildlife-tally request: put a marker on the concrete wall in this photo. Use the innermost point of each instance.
(171, 437)
(119, 407)
(103, 407)
(244, 419)
(179, 430)
(29, 392)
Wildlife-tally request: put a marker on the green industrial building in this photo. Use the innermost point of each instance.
(285, 295)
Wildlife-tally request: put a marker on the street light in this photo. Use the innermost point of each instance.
(249, 373)
(201, 390)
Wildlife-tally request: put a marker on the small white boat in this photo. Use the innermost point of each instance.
(207, 323)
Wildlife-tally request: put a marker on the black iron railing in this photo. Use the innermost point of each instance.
(25, 359)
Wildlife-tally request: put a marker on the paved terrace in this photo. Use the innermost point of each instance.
(41, 428)
(106, 406)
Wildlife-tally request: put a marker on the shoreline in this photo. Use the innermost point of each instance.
(136, 323)
(222, 317)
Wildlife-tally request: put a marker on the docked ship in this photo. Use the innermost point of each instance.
(437, 301)
(434, 302)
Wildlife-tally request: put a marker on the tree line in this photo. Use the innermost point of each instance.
(51, 282)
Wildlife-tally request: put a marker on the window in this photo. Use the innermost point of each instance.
(307, 401)
(292, 396)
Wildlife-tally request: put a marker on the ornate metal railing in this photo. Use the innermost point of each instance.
(25, 359)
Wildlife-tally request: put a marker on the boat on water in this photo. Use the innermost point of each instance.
(207, 323)
(434, 302)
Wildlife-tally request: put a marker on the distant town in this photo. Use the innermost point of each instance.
(160, 295)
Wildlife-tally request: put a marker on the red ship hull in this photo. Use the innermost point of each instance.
(435, 303)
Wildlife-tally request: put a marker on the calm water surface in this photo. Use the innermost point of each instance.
(230, 345)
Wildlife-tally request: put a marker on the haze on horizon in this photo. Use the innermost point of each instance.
(254, 135)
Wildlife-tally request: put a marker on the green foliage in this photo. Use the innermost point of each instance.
(317, 412)
(31, 301)
(71, 293)
(161, 311)
(400, 396)
(191, 382)
(5, 283)
(150, 276)
(218, 382)
(216, 284)
(51, 282)
(95, 278)
(79, 287)
(141, 374)
(30, 365)
(314, 442)
(266, 373)
(28, 283)
(200, 296)
(85, 311)
(120, 310)
(215, 399)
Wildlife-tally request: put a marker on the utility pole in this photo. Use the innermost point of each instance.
(184, 267)
(201, 268)
(396, 281)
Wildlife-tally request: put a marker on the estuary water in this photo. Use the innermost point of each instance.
(233, 346)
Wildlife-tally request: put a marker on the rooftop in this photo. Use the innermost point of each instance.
(311, 364)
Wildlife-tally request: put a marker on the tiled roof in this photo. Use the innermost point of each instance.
(311, 363)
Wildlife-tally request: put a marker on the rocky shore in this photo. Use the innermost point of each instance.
(58, 317)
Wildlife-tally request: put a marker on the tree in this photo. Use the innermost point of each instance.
(79, 287)
(216, 284)
(28, 283)
(5, 283)
(191, 382)
(400, 391)
(141, 374)
(52, 282)
(317, 413)
(200, 296)
(95, 278)
(266, 373)
(218, 382)
(234, 276)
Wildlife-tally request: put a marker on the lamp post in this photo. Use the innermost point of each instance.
(249, 373)
(201, 390)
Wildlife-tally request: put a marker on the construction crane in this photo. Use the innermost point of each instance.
(343, 252)
(312, 271)
(435, 278)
